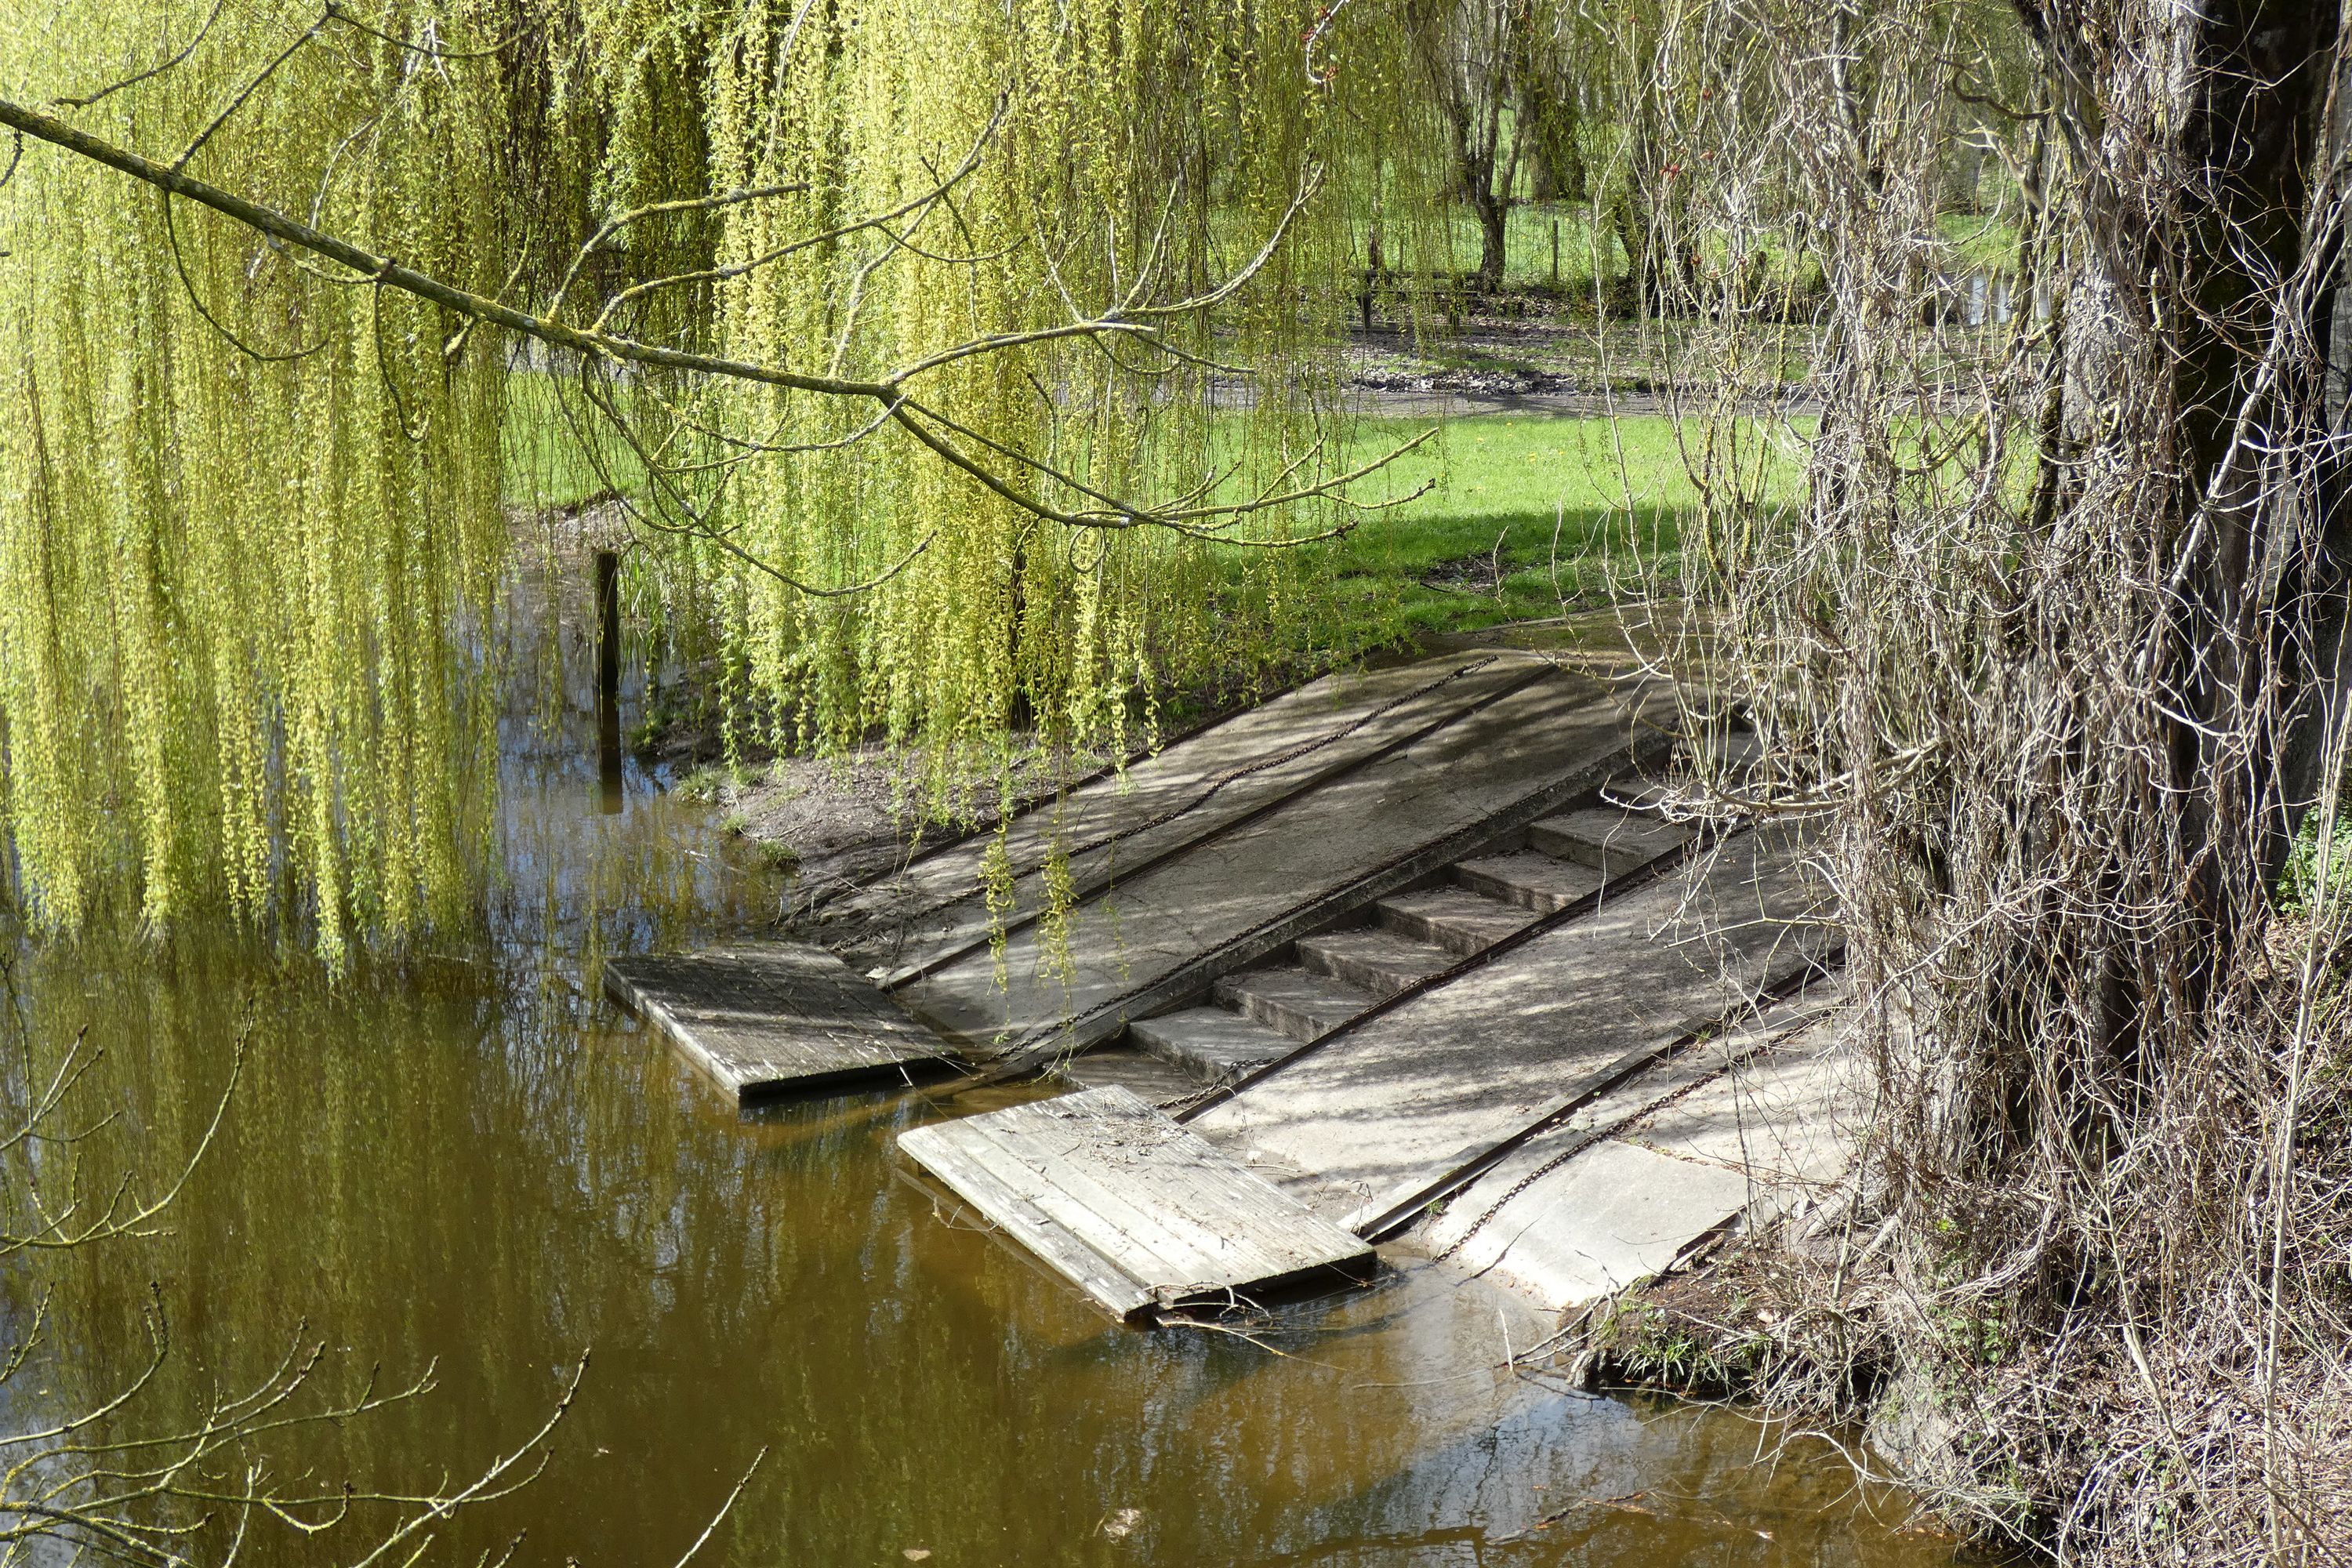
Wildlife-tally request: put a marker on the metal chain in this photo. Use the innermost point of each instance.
(1614, 1130)
(939, 961)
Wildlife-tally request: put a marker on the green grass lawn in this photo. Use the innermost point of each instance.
(1525, 515)
(1528, 247)
(1562, 506)
(1979, 244)
(545, 466)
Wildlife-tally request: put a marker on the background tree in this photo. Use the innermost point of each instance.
(1476, 58)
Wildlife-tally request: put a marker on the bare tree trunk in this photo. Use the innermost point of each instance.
(2200, 301)
(2326, 649)
(1494, 227)
(1648, 286)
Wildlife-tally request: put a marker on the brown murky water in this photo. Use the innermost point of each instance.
(468, 1161)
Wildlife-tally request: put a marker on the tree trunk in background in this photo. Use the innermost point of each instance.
(1493, 213)
(1547, 119)
(1648, 282)
(1471, 56)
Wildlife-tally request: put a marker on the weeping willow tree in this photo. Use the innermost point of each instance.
(242, 507)
(2055, 645)
(911, 335)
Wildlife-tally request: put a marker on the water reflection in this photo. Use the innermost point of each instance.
(465, 1158)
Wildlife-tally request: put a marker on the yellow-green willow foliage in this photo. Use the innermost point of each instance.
(250, 516)
(247, 507)
(1122, 133)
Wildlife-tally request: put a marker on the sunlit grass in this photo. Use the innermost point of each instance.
(1564, 506)
(545, 462)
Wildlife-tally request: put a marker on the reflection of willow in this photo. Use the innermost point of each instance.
(454, 1164)
(339, 1241)
(141, 1467)
(559, 881)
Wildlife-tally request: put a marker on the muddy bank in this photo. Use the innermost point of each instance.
(838, 822)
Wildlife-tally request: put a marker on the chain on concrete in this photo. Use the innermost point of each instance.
(1615, 1128)
(1262, 763)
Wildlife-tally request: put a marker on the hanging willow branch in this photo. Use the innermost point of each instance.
(861, 312)
(1132, 318)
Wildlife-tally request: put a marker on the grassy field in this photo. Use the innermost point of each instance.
(1528, 514)
(544, 463)
(1524, 514)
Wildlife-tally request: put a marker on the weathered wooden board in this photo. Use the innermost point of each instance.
(1352, 838)
(765, 1016)
(1128, 1206)
(1198, 786)
(1756, 1120)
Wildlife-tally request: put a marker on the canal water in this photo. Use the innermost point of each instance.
(466, 1161)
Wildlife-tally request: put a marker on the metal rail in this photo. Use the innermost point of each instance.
(1105, 877)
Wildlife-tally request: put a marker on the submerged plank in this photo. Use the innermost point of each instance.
(1128, 1206)
(764, 1016)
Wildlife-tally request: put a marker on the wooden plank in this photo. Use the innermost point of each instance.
(1199, 767)
(1055, 1031)
(1390, 1113)
(1132, 1208)
(1163, 1083)
(1157, 1199)
(764, 1016)
(1132, 1237)
(948, 1159)
(1281, 779)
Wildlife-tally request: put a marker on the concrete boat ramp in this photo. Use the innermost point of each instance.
(1415, 942)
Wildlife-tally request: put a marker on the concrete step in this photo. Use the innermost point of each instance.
(1612, 842)
(1302, 1006)
(1207, 1043)
(1455, 919)
(1529, 879)
(1155, 1081)
(1382, 961)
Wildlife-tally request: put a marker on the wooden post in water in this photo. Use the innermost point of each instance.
(608, 679)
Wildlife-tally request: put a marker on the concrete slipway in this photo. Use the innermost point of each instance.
(1411, 957)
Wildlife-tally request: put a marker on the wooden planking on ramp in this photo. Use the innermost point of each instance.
(1757, 1122)
(1172, 926)
(1197, 785)
(1139, 1213)
(770, 1015)
(1123, 846)
(1202, 859)
(1382, 1116)
(1364, 1131)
